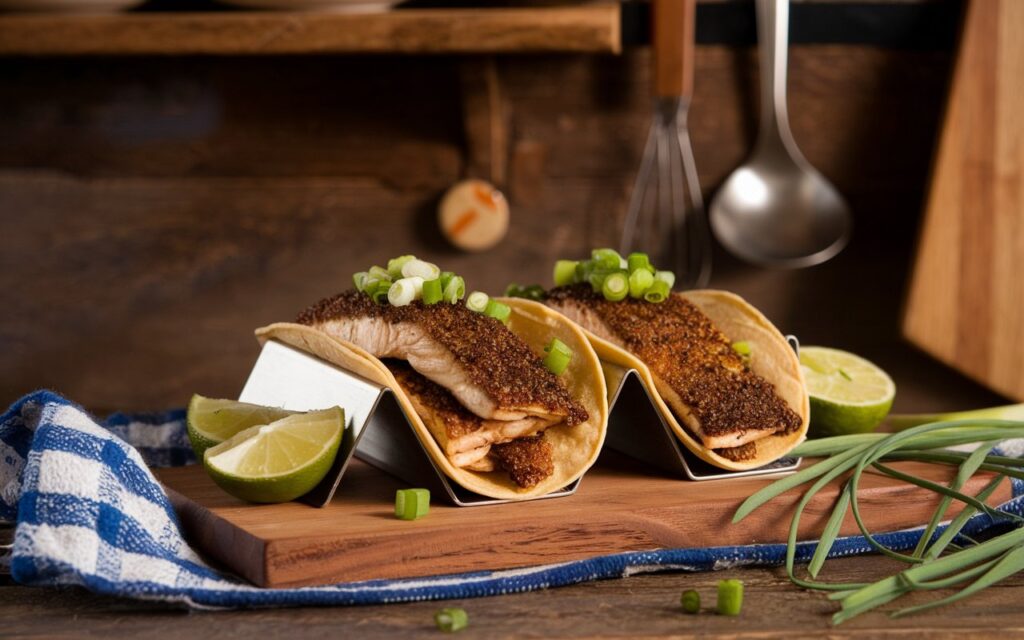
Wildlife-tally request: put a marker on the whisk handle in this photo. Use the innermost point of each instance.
(673, 24)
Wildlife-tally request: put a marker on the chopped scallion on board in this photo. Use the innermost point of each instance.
(690, 601)
(411, 504)
(451, 619)
(730, 597)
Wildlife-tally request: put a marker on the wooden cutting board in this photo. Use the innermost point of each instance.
(618, 507)
(966, 299)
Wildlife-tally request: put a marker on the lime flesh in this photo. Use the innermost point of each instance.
(279, 461)
(211, 421)
(848, 393)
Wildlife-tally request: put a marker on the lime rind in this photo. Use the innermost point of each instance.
(848, 394)
(280, 461)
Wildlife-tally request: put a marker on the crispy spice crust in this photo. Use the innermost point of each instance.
(458, 420)
(527, 460)
(743, 453)
(496, 360)
(682, 346)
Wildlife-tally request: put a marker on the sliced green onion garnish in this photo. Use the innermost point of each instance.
(742, 347)
(359, 280)
(657, 292)
(497, 310)
(639, 282)
(404, 291)
(583, 270)
(690, 600)
(379, 291)
(451, 620)
(530, 292)
(558, 356)
(667, 277)
(730, 597)
(615, 286)
(432, 292)
(379, 273)
(395, 265)
(477, 301)
(606, 259)
(454, 290)
(411, 504)
(565, 272)
(637, 261)
(535, 292)
(420, 268)
(445, 277)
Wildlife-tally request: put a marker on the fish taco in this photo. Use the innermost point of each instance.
(727, 381)
(497, 411)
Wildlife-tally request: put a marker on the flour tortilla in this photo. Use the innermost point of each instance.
(771, 358)
(574, 448)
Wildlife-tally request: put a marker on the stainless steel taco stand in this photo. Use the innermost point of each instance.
(377, 430)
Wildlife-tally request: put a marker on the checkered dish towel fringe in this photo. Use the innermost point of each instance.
(89, 512)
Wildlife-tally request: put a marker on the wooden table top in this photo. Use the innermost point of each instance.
(639, 606)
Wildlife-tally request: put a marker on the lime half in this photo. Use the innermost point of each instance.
(279, 461)
(848, 393)
(211, 422)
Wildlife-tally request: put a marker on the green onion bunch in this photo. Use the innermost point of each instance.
(615, 277)
(937, 562)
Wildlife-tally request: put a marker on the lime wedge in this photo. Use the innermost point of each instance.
(211, 422)
(279, 461)
(848, 393)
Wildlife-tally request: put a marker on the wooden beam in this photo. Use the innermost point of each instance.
(593, 28)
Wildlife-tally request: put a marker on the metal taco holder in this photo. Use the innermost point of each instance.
(379, 432)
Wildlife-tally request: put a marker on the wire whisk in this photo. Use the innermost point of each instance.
(666, 217)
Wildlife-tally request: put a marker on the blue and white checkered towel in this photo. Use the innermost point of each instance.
(89, 512)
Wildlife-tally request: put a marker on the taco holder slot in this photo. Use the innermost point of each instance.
(380, 433)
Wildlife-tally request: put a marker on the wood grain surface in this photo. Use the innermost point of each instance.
(635, 607)
(617, 508)
(966, 300)
(588, 28)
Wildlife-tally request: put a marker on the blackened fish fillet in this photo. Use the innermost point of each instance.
(702, 379)
(465, 437)
(489, 369)
(471, 442)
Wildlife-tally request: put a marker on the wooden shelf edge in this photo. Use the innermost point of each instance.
(592, 28)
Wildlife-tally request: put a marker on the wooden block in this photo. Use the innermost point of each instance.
(617, 508)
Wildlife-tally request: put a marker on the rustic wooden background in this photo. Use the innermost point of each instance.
(153, 211)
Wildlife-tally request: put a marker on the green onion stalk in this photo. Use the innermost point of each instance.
(936, 562)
